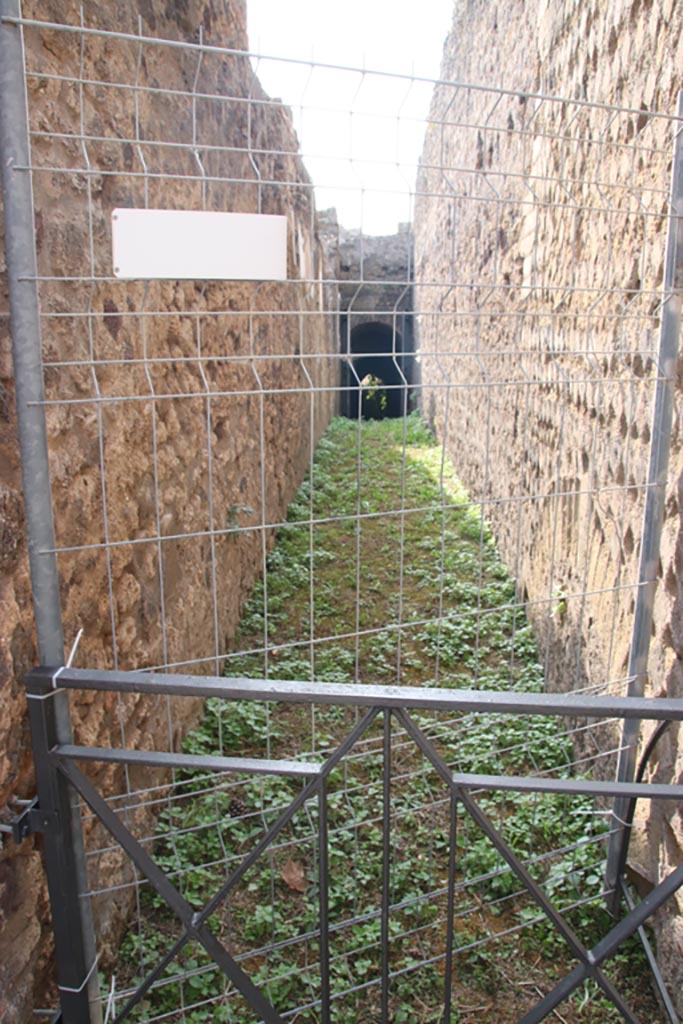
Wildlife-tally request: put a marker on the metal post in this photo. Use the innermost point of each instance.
(75, 950)
(669, 332)
(450, 912)
(17, 198)
(386, 866)
(323, 887)
(50, 717)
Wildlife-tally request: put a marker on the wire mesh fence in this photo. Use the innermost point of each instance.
(471, 520)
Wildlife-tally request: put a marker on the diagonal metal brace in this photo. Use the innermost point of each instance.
(216, 950)
(195, 923)
(588, 964)
(309, 790)
(608, 945)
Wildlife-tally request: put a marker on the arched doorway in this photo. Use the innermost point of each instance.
(377, 384)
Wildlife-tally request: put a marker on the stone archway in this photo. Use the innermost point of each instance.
(377, 357)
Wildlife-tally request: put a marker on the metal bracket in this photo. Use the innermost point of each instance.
(30, 820)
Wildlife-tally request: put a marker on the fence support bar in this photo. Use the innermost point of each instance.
(428, 698)
(166, 759)
(570, 787)
(669, 332)
(50, 720)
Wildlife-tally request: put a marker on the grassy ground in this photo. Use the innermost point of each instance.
(419, 598)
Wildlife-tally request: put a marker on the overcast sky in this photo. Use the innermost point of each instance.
(361, 134)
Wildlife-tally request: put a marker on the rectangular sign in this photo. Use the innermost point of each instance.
(199, 245)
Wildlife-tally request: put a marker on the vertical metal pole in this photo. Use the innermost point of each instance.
(450, 911)
(75, 951)
(324, 869)
(669, 332)
(50, 717)
(386, 866)
(25, 323)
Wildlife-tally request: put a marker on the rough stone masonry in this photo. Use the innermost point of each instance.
(543, 440)
(126, 630)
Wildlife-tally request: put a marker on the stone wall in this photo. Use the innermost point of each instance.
(143, 602)
(539, 243)
(385, 263)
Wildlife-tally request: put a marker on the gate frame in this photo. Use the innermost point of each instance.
(55, 761)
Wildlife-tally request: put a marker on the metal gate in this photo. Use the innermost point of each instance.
(166, 427)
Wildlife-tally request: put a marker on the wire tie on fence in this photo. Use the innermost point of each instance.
(53, 681)
(53, 687)
(626, 824)
(111, 1001)
(74, 648)
(65, 988)
(43, 696)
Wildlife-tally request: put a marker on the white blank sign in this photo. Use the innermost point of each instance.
(199, 245)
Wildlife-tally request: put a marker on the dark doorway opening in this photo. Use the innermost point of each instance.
(377, 379)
